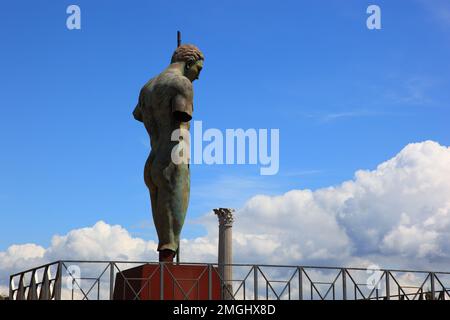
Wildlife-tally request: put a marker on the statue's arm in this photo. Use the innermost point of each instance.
(182, 108)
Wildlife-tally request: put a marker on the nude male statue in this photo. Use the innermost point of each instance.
(166, 104)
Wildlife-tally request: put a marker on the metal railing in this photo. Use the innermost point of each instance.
(96, 280)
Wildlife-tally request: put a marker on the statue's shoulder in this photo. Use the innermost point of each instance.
(175, 81)
(146, 89)
(149, 84)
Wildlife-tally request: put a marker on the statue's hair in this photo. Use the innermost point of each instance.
(187, 52)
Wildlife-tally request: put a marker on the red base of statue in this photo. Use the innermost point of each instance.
(181, 282)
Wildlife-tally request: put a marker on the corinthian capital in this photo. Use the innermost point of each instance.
(225, 215)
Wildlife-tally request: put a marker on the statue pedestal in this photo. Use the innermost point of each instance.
(180, 282)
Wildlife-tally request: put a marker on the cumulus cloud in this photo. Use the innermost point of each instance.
(400, 209)
(397, 215)
(289, 228)
(100, 242)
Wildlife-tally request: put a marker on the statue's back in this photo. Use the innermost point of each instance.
(155, 108)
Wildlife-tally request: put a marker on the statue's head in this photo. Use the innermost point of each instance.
(193, 60)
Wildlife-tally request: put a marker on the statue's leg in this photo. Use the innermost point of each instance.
(153, 190)
(163, 219)
(181, 200)
(172, 202)
(159, 218)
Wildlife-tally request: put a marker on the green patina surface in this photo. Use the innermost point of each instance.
(165, 105)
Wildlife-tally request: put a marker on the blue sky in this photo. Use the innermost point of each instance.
(344, 98)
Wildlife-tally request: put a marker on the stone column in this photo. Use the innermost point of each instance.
(225, 250)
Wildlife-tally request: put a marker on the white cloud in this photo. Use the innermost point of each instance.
(287, 228)
(100, 242)
(397, 215)
(411, 241)
(21, 256)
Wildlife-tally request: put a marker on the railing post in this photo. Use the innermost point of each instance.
(209, 282)
(73, 289)
(161, 280)
(300, 283)
(11, 288)
(334, 293)
(32, 289)
(344, 284)
(388, 290)
(255, 282)
(58, 281)
(21, 288)
(45, 286)
(111, 280)
(432, 282)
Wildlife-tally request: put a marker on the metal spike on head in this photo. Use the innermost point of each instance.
(178, 38)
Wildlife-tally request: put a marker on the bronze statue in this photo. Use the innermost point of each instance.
(166, 104)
